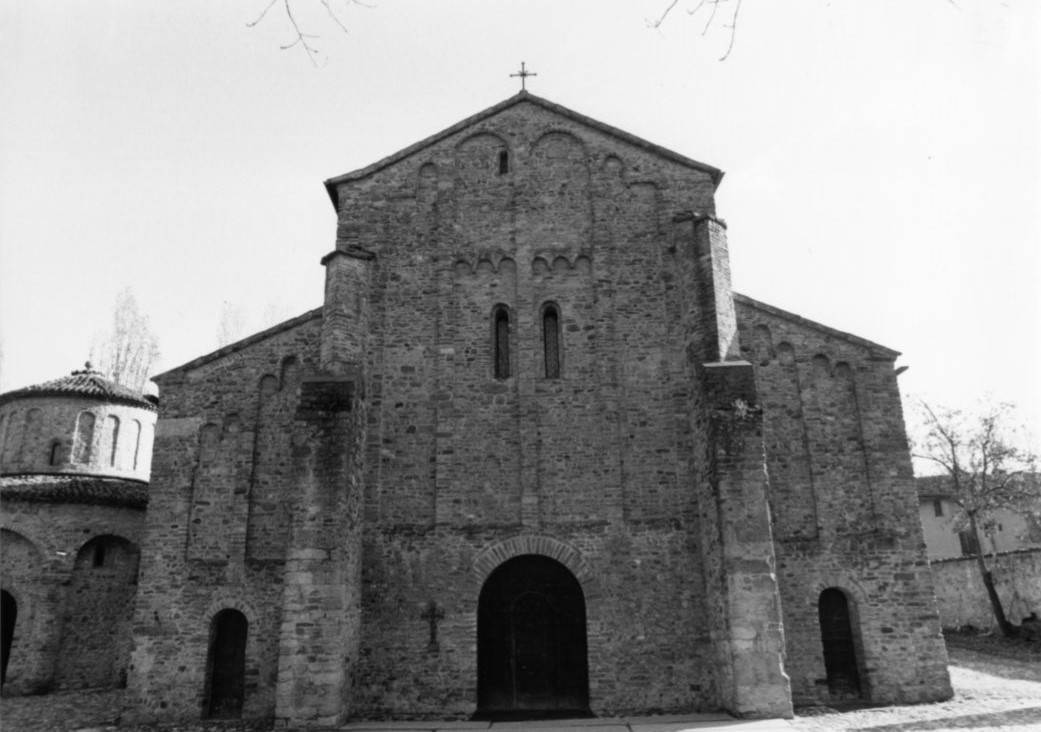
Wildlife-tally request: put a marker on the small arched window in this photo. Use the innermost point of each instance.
(113, 429)
(504, 162)
(84, 443)
(501, 341)
(551, 340)
(135, 439)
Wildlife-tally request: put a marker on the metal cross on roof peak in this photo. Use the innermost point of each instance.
(523, 74)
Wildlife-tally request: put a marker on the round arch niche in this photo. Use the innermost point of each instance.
(532, 659)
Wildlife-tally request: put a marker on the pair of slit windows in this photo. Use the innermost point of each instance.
(550, 342)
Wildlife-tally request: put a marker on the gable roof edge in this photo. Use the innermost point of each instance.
(238, 345)
(878, 349)
(522, 96)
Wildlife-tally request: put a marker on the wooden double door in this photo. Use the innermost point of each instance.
(531, 642)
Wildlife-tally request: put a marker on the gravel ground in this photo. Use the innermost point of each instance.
(997, 686)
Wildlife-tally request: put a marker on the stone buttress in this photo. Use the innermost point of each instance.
(321, 606)
(743, 599)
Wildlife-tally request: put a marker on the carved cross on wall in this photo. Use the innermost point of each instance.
(432, 614)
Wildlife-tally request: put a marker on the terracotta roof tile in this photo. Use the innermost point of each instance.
(74, 489)
(86, 382)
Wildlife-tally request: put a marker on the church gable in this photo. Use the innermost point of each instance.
(526, 172)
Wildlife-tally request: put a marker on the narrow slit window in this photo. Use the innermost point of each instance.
(55, 456)
(502, 343)
(504, 162)
(113, 429)
(99, 555)
(551, 341)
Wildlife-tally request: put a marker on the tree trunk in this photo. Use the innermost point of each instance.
(988, 582)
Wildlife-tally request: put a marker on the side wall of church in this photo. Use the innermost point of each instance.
(72, 627)
(525, 213)
(844, 507)
(218, 522)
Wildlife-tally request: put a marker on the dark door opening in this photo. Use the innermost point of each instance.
(8, 616)
(840, 655)
(531, 642)
(227, 688)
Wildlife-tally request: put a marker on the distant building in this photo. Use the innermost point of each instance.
(947, 534)
(75, 456)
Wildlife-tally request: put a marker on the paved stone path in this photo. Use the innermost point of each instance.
(991, 695)
(671, 723)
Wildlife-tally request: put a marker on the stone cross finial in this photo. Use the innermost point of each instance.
(432, 614)
(523, 74)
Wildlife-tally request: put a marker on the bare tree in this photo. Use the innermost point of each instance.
(129, 351)
(714, 12)
(710, 10)
(989, 467)
(232, 326)
(300, 38)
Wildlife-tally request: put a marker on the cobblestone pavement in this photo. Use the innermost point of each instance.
(991, 693)
(995, 694)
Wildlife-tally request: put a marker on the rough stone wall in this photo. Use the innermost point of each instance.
(430, 469)
(643, 654)
(962, 598)
(96, 634)
(597, 459)
(72, 629)
(218, 520)
(39, 435)
(844, 507)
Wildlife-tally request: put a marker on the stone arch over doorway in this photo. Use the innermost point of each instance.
(532, 649)
(96, 636)
(489, 559)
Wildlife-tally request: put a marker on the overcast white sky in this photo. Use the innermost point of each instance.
(883, 158)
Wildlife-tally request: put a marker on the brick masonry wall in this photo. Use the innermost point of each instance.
(597, 458)
(218, 521)
(72, 628)
(120, 445)
(844, 506)
(453, 469)
(962, 598)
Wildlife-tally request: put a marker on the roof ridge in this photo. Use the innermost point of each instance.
(521, 96)
(87, 383)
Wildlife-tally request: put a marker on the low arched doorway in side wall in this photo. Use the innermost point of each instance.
(531, 642)
(840, 654)
(8, 617)
(226, 669)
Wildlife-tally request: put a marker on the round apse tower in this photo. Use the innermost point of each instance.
(75, 457)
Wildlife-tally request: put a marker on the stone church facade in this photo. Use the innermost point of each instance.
(532, 457)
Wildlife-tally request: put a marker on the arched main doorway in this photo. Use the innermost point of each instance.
(531, 642)
(227, 665)
(840, 655)
(8, 616)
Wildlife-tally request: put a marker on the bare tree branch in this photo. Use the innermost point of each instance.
(303, 38)
(129, 351)
(989, 469)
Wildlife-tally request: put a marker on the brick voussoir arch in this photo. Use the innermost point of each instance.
(490, 558)
(227, 600)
